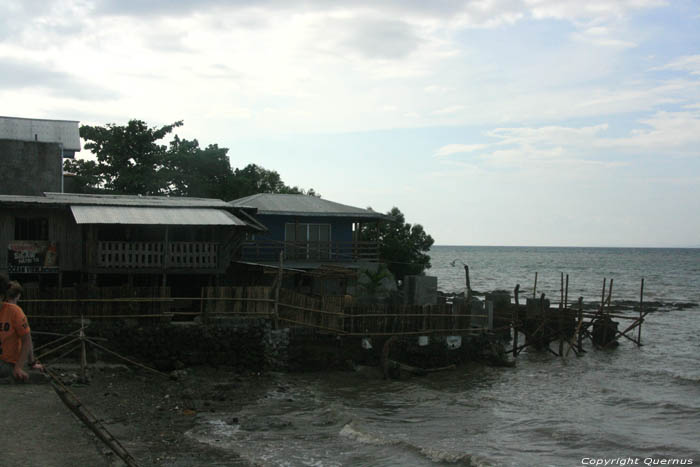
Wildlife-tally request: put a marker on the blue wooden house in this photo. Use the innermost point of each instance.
(308, 231)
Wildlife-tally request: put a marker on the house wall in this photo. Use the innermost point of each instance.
(74, 242)
(62, 230)
(341, 229)
(30, 168)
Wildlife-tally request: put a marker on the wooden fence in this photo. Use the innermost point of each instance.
(237, 301)
(102, 302)
(328, 314)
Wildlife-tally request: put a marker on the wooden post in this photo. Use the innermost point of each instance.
(561, 316)
(83, 351)
(602, 296)
(278, 285)
(609, 294)
(566, 292)
(534, 289)
(166, 256)
(469, 287)
(202, 309)
(641, 311)
(580, 324)
(544, 322)
(516, 291)
(561, 292)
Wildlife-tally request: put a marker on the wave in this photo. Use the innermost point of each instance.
(437, 455)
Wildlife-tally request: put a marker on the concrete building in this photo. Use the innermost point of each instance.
(32, 152)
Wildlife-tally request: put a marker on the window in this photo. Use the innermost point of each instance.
(31, 228)
(307, 241)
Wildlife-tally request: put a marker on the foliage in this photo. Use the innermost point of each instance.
(196, 172)
(402, 245)
(371, 281)
(131, 160)
(255, 179)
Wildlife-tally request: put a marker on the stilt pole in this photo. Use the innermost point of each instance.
(641, 311)
(516, 291)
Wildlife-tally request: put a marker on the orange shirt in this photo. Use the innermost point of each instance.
(13, 326)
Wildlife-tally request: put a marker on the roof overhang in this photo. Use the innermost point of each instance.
(154, 216)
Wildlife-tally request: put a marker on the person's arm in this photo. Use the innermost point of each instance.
(27, 349)
(31, 359)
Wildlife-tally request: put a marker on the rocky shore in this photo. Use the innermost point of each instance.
(150, 415)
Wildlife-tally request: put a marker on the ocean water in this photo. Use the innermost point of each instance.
(641, 403)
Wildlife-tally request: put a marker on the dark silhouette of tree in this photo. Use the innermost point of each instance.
(131, 160)
(402, 246)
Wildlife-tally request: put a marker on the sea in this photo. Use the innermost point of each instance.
(624, 406)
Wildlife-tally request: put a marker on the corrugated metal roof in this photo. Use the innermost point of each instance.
(114, 200)
(303, 205)
(22, 199)
(153, 216)
(130, 200)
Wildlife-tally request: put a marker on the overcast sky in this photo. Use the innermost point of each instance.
(491, 122)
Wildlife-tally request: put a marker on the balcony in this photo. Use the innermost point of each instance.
(269, 250)
(150, 255)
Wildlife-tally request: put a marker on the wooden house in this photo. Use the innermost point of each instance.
(62, 238)
(311, 234)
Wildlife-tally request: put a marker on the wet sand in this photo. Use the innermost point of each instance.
(150, 414)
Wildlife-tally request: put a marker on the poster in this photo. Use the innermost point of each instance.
(30, 256)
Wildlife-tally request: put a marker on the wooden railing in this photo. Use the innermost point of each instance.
(269, 250)
(331, 314)
(199, 255)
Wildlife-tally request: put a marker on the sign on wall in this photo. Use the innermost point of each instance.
(29, 256)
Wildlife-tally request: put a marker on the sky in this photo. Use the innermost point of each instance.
(490, 122)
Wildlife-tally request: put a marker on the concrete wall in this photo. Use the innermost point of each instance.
(30, 168)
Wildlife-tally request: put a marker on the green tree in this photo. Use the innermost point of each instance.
(129, 158)
(253, 179)
(197, 172)
(402, 245)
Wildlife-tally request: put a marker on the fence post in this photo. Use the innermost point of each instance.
(641, 313)
(203, 309)
(278, 285)
(516, 291)
(83, 351)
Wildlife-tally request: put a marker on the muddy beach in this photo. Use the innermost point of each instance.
(151, 415)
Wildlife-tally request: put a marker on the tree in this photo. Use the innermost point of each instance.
(253, 179)
(197, 172)
(129, 158)
(402, 245)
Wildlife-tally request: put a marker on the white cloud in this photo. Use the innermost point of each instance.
(458, 148)
(675, 133)
(548, 135)
(448, 110)
(689, 63)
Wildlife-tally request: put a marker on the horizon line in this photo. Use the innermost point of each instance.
(696, 247)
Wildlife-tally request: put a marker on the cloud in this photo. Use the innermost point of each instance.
(458, 148)
(566, 148)
(676, 133)
(547, 135)
(590, 10)
(448, 110)
(689, 63)
(21, 74)
(373, 38)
